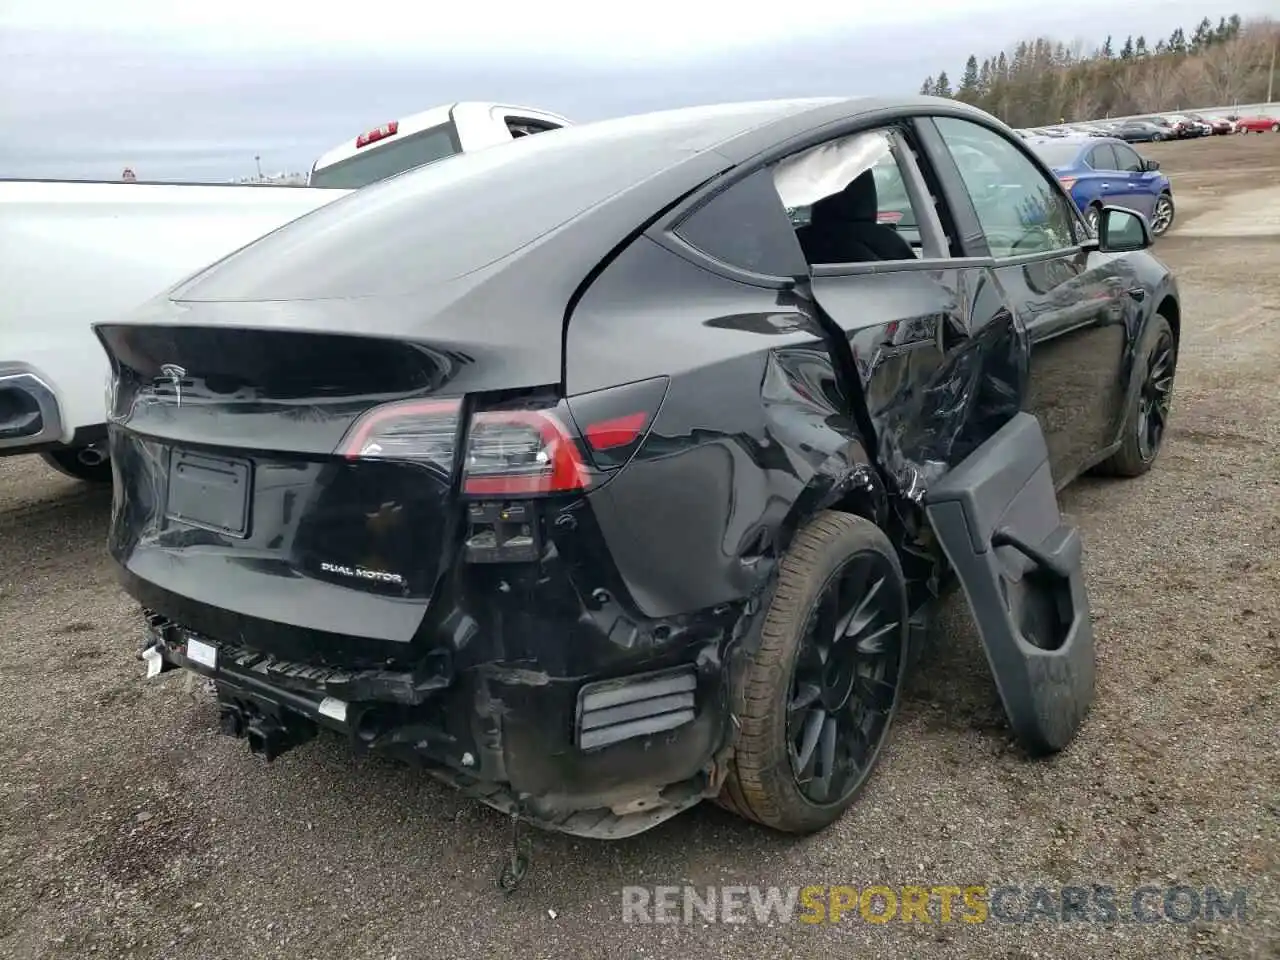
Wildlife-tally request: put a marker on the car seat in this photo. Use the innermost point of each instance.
(842, 228)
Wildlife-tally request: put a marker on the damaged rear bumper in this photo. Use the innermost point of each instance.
(594, 757)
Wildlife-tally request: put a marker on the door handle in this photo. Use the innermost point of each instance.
(1105, 184)
(1138, 293)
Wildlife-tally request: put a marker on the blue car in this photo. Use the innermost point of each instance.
(1101, 172)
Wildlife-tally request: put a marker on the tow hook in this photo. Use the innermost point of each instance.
(268, 737)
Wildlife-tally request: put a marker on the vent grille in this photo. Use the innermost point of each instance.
(611, 711)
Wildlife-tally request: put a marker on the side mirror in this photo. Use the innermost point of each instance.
(1122, 231)
(1150, 165)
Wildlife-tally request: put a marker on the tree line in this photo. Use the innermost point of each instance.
(1042, 81)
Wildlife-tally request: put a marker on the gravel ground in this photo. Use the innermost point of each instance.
(129, 828)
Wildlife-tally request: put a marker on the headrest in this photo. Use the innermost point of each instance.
(857, 202)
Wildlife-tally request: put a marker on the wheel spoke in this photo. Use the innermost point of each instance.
(873, 644)
(805, 697)
(824, 780)
(845, 595)
(864, 614)
(813, 724)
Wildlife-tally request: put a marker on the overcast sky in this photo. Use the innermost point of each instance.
(183, 90)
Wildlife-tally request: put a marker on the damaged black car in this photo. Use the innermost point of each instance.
(623, 466)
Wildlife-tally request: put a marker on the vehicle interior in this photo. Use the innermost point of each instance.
(849, 200)
(857, 208)
(524, 126)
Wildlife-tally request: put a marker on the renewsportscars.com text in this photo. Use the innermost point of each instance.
(943, 903)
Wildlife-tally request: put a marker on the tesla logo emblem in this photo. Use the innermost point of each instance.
(174, 374)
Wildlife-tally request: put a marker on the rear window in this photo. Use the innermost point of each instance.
(1056, 154)
(381, 160)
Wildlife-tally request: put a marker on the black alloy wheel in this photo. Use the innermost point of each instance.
(1147, 418)
(845, 680)
(1155, 396)
(816, 701)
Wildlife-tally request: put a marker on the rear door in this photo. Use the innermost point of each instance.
(1107, 185)
(1115, 182)
(1141, 185)
(933, 343)
(941, 362)
(1072, 304)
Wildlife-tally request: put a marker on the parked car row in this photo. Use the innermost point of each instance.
(1159, 127)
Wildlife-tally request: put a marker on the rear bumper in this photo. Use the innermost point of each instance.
(29, 412)
(604, 758)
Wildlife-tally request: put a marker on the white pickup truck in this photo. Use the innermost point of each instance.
(76, 252)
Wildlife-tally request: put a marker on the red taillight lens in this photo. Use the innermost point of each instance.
(1067, 182)
(525, 451)
(618, 432)
(420, 431)
(615, 421)
(513, 453)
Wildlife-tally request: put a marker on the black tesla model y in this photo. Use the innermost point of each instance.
(621, 466)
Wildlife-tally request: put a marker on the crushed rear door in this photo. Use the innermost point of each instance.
(996, 515)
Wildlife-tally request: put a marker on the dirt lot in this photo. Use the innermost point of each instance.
(129, 828)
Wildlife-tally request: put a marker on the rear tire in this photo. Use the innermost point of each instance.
(1147, 415)
(1092, 217)
(67, 462)
(1163, 215)
(811, 725)
(1275, 128)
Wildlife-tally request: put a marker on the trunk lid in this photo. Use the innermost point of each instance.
(238, 511)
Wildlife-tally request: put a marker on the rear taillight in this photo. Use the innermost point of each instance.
(1067, 182)
(419, 431)
(615, 421)
(513, 451)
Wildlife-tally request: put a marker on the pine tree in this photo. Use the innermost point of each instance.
(1203, 35)
(1233, 26)
(1140, 47)
(942, 88)
(927, 88)
(969, 82)
(1107, 50)
(1126, 52)
(984, 78)
(1221, 32)
(1178, 41)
